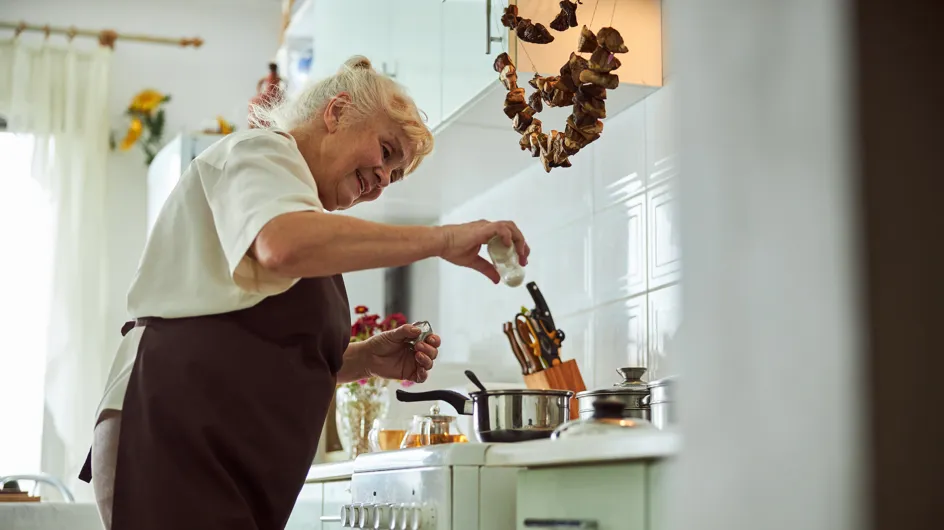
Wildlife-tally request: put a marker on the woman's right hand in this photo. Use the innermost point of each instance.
(463, 242)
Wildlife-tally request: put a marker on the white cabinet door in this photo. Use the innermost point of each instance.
(415, 63)
(467, 68)
(349, 27)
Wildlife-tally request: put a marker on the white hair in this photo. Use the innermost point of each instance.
(370, 93)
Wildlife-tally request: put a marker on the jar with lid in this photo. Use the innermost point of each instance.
(607, 418)
(632, 391)
(432, 429)
(506, 261)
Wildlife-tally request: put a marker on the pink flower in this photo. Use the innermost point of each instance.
(362, 381)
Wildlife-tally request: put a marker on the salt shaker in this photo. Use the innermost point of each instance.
(505, 260)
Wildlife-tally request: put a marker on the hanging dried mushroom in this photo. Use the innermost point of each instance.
(524, 28)
(582, 84)
(567, 18)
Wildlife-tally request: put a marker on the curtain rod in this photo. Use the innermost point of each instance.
(106, 37)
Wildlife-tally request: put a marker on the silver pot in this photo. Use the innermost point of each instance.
(631, 391)
(661, 402)
(505, 415)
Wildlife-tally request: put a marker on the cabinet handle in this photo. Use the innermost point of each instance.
(488, 28)
(330, 518)
(554, 524)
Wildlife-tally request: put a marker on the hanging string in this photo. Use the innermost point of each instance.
(613, 14)
(594, 15)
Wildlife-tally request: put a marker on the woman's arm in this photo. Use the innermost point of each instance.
(317, 244)
(353, 365)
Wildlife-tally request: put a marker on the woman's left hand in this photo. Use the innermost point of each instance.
(390, 356)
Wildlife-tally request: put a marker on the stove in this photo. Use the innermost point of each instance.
(445, 487)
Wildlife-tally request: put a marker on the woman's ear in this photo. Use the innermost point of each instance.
(334, 110)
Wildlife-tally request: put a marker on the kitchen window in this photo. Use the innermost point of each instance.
(26, 244)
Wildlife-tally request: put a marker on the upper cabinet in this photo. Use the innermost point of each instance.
(414, 52)
(639, 22)
(442, 52)
(472, 37)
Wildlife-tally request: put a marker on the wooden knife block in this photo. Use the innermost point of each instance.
(565, 376)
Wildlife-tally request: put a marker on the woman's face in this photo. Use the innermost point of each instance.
(355, 163)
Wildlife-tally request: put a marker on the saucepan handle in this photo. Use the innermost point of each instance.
(462, 404)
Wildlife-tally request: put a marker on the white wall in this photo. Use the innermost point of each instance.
(605, 253)
(218, 78)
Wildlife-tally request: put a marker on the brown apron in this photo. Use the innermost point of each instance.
(223, 413)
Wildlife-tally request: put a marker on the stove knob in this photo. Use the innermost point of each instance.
(406, 511)
(356, 510)
(382, 516)
(346, 516)
(416, 517)
(367, 516)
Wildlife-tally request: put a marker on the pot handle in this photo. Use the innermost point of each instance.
(645, 399)
(455, 399)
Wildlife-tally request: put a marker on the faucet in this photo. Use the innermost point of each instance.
(42, 478)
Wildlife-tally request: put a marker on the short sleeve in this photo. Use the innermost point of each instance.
(260, 178)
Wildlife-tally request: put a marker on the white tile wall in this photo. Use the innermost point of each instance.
(605, 253)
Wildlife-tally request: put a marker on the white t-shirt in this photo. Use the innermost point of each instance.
(195, 261)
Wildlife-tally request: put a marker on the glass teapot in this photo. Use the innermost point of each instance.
(432, 429)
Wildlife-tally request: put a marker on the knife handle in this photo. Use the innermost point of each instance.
(530, 340)
(508, 328)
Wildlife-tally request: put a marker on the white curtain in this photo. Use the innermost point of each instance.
(59, 95)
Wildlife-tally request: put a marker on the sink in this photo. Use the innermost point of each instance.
(49, 516)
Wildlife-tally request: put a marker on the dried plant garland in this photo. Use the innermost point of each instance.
(581, 84)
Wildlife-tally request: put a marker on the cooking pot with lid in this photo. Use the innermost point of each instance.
(661, 402)
(631, 391)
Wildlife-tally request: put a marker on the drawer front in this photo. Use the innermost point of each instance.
(605, 497)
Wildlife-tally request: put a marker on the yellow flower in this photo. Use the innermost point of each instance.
(225, 127)
(134, 132)
(146, 101)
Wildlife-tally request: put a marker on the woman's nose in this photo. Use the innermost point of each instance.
(383, 177)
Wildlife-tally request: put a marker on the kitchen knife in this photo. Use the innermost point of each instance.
(548, 347)
(525, 360)
(529, 339)
(550, 337)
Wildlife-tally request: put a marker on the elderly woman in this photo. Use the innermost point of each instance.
(220, 387)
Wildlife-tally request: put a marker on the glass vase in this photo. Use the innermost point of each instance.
(357, 405)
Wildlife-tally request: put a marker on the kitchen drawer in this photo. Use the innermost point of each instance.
(336, 494)
(613, 496)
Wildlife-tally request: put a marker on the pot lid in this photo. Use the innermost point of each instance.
(632, 383)
(434, 415)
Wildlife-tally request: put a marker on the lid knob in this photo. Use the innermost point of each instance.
(608, 408)
(632, 374)
(434, 410)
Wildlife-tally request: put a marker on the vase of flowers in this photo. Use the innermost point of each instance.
(146, 115)
(359, 403)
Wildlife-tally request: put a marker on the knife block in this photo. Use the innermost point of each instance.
(564, 376)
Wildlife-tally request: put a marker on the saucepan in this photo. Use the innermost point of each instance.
(505, 415)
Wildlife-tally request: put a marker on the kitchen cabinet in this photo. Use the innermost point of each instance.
(472, 37)
(442, 51)
(638, 21)
(611, 495)
(411, 60)
(349, 27)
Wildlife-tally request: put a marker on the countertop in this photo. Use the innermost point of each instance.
(646, 444)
